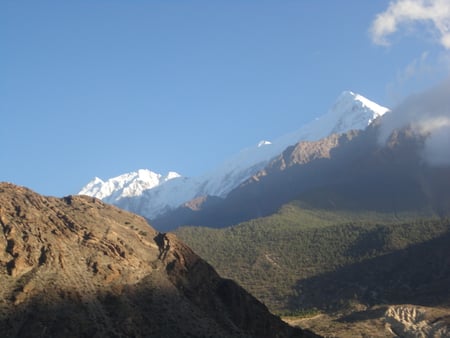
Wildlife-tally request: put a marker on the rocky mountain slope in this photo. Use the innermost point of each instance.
(135, 193)
(77, 267)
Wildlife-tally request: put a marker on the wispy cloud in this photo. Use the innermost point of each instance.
(418, 74)
(405, 14)
(417, 66)
(436, 151)
(427, 113)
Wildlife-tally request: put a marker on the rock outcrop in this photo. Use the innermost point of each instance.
(77, 267)
(417, 321)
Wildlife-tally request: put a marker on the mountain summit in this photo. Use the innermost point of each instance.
(150, 194)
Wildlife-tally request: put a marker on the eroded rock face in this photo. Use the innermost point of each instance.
(76, 267)
(418, 321)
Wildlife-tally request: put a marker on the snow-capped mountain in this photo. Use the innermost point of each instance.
(350, 111)
(150, 194)
(126, 185)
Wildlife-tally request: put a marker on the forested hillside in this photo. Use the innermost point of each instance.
(300, 258)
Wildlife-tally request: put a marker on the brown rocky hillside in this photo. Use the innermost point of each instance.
(76, 267)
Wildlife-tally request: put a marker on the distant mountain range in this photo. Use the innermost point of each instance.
(152, 195)
(349, 171)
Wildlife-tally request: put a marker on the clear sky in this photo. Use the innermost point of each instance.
(103, 87)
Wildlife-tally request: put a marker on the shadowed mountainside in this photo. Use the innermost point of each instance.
(76, 267)
(418, 274)
(265, 192)
(350, 171)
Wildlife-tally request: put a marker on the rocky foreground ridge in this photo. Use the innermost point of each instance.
(76, 267)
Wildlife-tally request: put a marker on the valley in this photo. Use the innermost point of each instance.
(312, 262)
(347, 234)
(335, 273)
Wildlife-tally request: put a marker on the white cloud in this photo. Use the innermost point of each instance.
(437, 145)
(427, 113)
(407, 13)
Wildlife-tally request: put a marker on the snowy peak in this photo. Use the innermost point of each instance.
(350, 111)
(149, 194)
(353, 111)
(125, 185)
(263, 143)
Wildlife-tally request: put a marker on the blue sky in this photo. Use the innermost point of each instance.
(100, 88)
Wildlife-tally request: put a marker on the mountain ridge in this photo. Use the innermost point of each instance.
(128, 184)
(350, 111)
(348, 171)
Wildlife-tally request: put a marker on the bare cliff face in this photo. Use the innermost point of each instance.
(76, 267)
